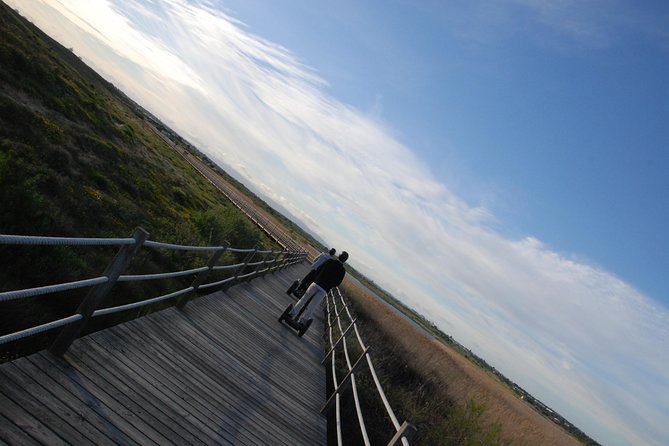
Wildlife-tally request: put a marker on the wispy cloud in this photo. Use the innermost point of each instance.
(576, 336)
(567, 24)
(598, 23)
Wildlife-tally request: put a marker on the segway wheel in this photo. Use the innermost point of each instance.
(305, 326)
(293, 287)
(285, 313)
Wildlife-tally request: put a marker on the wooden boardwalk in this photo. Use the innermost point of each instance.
(222, 371)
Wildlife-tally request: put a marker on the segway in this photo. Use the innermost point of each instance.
(295, 323)
(297, 288)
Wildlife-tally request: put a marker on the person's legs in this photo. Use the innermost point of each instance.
(314, 305)
(314, 296)
(306, 281)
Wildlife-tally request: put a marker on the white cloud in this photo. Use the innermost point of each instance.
(576, 336)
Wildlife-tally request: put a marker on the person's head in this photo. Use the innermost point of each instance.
(332, 251)
(343, 256)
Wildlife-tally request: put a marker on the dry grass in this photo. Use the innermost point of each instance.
(457, 379)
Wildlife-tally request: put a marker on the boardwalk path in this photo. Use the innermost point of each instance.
(223, 371)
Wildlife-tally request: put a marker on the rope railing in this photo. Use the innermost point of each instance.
(50, 241)
(118, 309)
(100, 287)
(173, 247)
(39, 329)
(31, 292)
(138, 277)
(403, 432)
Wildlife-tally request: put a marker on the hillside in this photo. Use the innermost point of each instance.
(78, 159)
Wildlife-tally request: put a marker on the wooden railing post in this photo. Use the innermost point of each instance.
(341, 338)
(284, 258)
(407, 430)
(280, 260)
(97, 294)
(264, 261)
(287, 258)
(203, 275)
(277, 260)
(343, 385)
(246, 261)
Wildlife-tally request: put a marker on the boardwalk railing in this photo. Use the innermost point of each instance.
(256, 263)
(242, 202)
(336, 319)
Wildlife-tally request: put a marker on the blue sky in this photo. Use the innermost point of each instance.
(499, 166)
(563, 108)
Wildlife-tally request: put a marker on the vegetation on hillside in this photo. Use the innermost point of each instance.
(77, 159)
(439, 419)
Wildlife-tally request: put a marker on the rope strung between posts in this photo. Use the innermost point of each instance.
(39, 329)
(30, 292)
(99, 287)
(51, 241)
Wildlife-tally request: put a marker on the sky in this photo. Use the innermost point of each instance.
(500, 166)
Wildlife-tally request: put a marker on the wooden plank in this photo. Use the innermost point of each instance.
(172, 328)
(28, 423)
(222, 371)
(158, 384)
(83, 410)
(243, 314)
(125, 403)
(177, 398)
(234, 338)
(236, 332)
(116, 376)
(11, 435)
(278, 370)
(177, 375)
(88, 391)
(232, 384)
(179, 329)
(33, 398)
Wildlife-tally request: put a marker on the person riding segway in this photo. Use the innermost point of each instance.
(299, 287)
(329, 275)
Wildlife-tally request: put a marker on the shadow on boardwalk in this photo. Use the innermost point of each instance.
(222, 371)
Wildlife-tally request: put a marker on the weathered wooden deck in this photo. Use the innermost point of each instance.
(222, 371)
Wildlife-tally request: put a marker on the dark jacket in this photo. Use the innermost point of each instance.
(330, 274)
